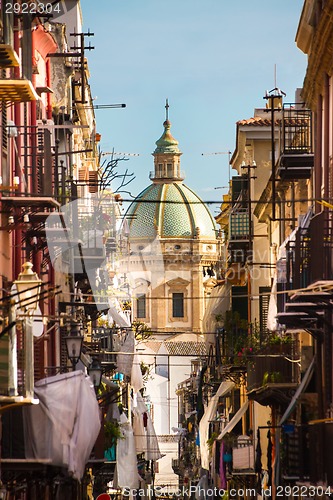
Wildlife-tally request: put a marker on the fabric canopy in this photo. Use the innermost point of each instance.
(301, 388)
(209, 414)
(64, 426)
(117, 314)
(235, 419)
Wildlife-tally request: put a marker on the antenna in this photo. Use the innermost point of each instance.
(110, 153)
(221, 153)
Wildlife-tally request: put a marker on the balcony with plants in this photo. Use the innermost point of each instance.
(272, 373)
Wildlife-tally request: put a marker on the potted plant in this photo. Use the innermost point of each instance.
(112, 433)
(228, 441)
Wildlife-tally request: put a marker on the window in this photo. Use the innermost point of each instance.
(178, 305)
(141, 305)
(169, 169)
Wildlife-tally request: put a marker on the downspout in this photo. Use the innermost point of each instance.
(282, 216)
(326, 162)
(48, 83)
(318, 154)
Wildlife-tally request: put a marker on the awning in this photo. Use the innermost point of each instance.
(116, 313)
(301, 388)
(235, 419)
(225, 388)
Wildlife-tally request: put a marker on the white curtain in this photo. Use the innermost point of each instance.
(145, 435)
(209, 414)
(136, 374)
(127, 472)
(64, 426)
(125, 355)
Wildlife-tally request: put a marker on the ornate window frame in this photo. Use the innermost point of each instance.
(177, 285)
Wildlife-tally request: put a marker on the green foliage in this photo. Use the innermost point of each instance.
(112, 433)
(211, 440)
(146, 371)
(236, 338)
(141, 331)
(273, 377)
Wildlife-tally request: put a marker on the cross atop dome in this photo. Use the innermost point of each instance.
(166, 109)
(167, 155)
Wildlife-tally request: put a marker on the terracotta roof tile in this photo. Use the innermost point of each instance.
(258, 121)
(153, 345)
(186, 348)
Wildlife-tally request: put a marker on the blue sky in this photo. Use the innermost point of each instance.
(213, 60)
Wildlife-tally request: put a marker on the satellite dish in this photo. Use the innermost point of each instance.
(37, 324)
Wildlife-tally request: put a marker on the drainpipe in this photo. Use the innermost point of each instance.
(282, 214)
(293, 216)
(326, 159)
(48, 83)
(318, 155)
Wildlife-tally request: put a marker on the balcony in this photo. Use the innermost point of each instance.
(239, 228)
(297, 159)
(171, 174)
(8, 56)
(176, 466)
(307, 450)
(270, 378)
(320, 446)
(102, 342)
(17, 90)
(88, 258)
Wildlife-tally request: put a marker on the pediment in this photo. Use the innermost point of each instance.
(177, 283)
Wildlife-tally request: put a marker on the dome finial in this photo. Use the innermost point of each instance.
(166, 143)
(166, 109)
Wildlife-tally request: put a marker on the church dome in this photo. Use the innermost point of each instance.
(167, 207)
(171, 210)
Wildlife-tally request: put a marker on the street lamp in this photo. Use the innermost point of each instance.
(95, 372)
(74, 343)
(28, 286)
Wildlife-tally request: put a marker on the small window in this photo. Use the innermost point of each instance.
(169, 169)
(141, 305)
(178, 305)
